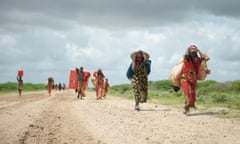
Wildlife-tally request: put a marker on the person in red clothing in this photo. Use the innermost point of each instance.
(50, 85)
(20, 85)
(190, 71)
(99, 84)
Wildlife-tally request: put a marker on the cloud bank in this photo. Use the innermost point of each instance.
(47, 38)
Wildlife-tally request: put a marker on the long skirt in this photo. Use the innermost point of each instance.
(81, 89)
(189, 92)
(99, 88)
(49, 89)
(140, 88)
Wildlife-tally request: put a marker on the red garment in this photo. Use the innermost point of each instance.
(189, 82)
(49, 89)
(99, 85)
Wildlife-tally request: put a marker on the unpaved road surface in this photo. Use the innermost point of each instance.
(61, 118)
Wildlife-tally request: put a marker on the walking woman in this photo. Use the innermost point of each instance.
(20, 85)
(106, 86)
(138, 74)
(50, 85)
(81, 91)
(99, 84)
(190, 72)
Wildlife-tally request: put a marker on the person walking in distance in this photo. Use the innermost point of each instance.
(99, 84)
(50, 85)
(106, 85)
(81, 91)
(20, 85)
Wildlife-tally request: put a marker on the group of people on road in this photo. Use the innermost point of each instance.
(192, 68)
(99, 82)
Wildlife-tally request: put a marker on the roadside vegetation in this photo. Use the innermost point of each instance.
(12, 87)
(221, 98)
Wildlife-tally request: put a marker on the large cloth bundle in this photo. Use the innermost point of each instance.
(203, 70)
(130, 72)
(95, 73)
(87, 74)
(73, 81)
(176, 74)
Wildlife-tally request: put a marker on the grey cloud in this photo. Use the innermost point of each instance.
(28, 40)
(107, 13)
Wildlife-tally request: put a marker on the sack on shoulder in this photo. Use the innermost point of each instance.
(148, 65)
(129, 72)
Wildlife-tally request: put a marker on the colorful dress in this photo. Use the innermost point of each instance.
(50, 85)
(189, 79)
(81, 90)
(140, 82)
(139, 79)
(105, 88)
(99, 85)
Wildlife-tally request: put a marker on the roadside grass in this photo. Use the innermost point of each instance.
(220, 98)
(11, 87)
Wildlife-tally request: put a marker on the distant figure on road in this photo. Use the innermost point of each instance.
(99, 84)
(59, 86)
(138, 74)
(20, 85)
(81, 91)
(105, 88)
(50, 85)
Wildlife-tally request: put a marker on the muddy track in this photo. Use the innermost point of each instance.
(61, 118)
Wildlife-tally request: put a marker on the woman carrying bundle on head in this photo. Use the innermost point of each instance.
(138, 74)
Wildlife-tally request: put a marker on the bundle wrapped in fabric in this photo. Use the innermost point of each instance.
(129, 72)
(73, 79)
(176, 74)
(50, 81)
(87, 74)
(95, 73)
(203, 70)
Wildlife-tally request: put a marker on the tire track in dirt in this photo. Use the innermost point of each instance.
(18, 113)
(56, 125)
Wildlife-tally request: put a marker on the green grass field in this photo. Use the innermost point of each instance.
(210, 94)
(12, 87)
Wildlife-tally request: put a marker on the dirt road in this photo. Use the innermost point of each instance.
(61, 118)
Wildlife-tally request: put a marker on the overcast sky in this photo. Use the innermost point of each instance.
(49, 37)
